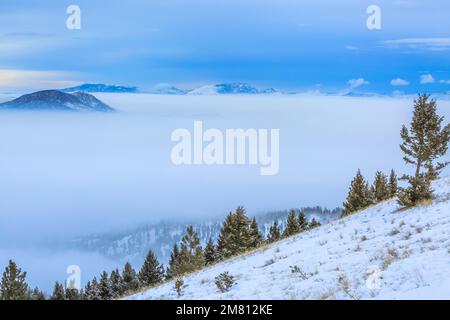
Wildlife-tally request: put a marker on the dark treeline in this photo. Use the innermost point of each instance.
(238, 235)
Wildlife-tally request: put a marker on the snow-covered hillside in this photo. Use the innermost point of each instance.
(379, 253)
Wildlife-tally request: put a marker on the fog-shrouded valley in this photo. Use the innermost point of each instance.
(95, 189)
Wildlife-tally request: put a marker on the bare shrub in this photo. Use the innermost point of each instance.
(296, 270)
(179, 283)
(390, 257)
(393, 232)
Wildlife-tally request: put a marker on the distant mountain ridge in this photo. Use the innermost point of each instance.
(230, 88)
(99, 87)
(167, 89)
(55, 100)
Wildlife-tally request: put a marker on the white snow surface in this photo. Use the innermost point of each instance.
(379, 253)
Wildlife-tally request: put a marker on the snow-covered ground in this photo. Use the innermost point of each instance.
(379, 253)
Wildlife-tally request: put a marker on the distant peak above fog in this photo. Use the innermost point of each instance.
(230, 88)
(54, 100)
(99, 87)
(168, 89)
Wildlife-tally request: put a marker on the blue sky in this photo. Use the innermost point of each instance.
(292, 45)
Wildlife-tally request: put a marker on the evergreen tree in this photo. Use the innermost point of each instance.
(115, 282)
(36, 294)
(359, 195)
(88, 291)
(242, 234)
(226, 247)
(392, 185)
(81, 295)
(174, 262)
(380, 189)
(130, 282)
(422, 145)
(58, 292)
(191, 256)
(236, 235)
(95, 290)
(256, 238)
(292, 226)
(105, 287)
(302, 222)
(13, 285)
(72, 294)
(274, 233)
(313, 224)
(210, 252)
(152, 271)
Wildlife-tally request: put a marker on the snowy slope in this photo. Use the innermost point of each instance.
(379, 253)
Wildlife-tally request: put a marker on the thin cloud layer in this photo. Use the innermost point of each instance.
(399, 82)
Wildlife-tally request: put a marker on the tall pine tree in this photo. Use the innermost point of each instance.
(88, 291)
(274, 233)
(58, 292)
(359, 195)
(256, 238)
(225, 246)
(191, 255)
(95, 290)
(379, 189)
(13, 285)
(292, 226)
(174, 262)
(237, 234)
(130, 281)
(210, 252)
(72, 294)
(152, 271)
(423, 143)
(392, 185)
(116, 283)
(302, 222)
(105, 287)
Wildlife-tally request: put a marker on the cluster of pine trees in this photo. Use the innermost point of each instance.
(108, 286)
(362, 195)
(238, 234)
(422, 144)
